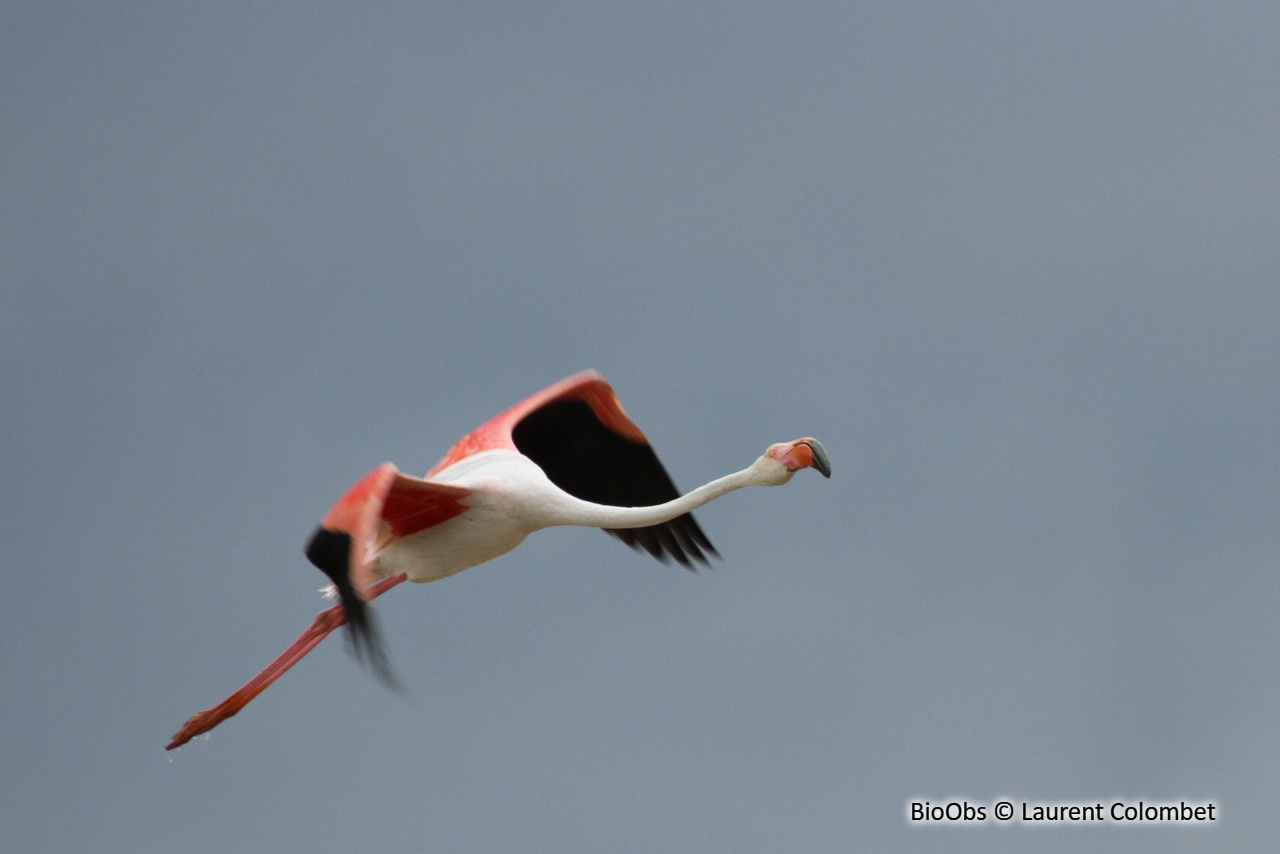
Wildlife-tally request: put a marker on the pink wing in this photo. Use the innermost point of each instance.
(577, 432)
(380, 506)
(383, 504)
(587, 386)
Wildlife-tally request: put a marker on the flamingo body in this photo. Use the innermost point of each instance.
(568, 455)
(501, 509)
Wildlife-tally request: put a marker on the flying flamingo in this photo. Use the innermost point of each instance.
(568, 455)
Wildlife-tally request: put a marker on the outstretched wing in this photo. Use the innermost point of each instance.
(381, 505)
(585, 458)
(578, 433)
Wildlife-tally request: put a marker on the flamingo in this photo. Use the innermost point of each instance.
(568, 455)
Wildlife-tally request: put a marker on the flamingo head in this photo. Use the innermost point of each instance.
(784, 459)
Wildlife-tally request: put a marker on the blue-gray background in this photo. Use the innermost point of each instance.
(1015, 264)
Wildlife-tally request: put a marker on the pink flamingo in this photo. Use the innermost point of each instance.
(568, 455)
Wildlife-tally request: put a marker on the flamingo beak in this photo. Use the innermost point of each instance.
(807, 453)
(820, 461)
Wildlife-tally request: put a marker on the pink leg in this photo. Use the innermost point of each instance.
(325, 622)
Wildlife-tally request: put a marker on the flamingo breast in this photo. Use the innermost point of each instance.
(507, 494)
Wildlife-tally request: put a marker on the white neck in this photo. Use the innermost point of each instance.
(573, 511)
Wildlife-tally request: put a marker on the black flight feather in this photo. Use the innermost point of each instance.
(330, 551)
(589, 461)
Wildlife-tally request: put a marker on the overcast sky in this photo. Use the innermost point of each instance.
(1014, 264)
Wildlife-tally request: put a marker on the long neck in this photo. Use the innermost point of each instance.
(574, 511)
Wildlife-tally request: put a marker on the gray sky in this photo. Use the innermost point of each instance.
(1014, 264)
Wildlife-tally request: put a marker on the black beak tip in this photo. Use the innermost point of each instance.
(820, 461)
